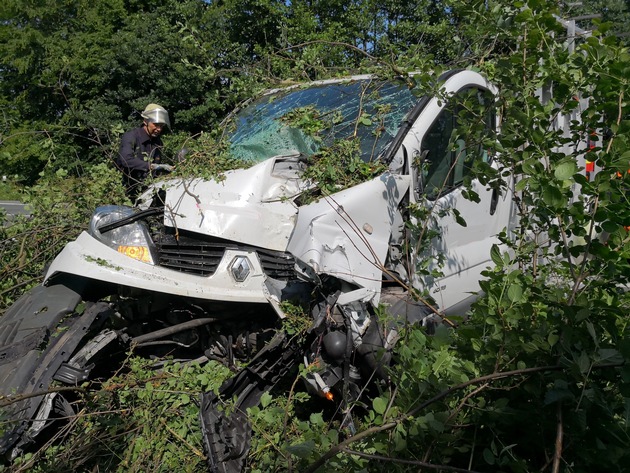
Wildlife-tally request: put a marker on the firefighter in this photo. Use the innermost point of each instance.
(140, 153)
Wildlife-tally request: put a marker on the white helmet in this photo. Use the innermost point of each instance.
(155, 113)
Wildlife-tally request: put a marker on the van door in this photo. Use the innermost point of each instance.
(467, 214)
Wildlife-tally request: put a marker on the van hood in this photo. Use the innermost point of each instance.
(253, 206)
(346, 234)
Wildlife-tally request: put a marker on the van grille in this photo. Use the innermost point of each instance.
(198, 255)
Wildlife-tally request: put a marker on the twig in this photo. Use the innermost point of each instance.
(429, 466)
(286, 418)
(472, 449)
(21, 284)
(8, 400)
(376, 261)
(377, 60)
(461, 405)
(333, 451)
(192, 448)
(67, 428)
(557, 456)
(579, 280)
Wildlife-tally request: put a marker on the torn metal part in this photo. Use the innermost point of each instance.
(329, 234)
(226, 430)
(78, 368)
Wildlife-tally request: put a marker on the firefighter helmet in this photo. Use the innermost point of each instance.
(155, 113)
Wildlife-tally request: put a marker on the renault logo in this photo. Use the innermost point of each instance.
(240, 268)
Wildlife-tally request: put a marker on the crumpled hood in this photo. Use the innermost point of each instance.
(346, 235)
(251, 206)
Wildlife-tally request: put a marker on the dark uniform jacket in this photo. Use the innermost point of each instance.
(137, 151)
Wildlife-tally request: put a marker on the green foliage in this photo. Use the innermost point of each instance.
(424, 230)
(553, 316)
(339, 167)
(307, 119)
(10, 191)
(550, 332)
(288, 433)
(207, 156)
(60, 207)
(297, 321)
(71, 72)
(145, 419)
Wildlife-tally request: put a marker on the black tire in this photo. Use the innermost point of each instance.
(37, 335)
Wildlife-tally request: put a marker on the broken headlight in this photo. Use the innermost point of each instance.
(131, 239)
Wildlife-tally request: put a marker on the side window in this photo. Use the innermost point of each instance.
(455, 141)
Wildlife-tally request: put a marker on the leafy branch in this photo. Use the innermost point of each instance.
(413, 412)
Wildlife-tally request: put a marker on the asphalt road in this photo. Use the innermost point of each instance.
(13, 207)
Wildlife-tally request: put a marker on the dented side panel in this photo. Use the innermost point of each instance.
(347, 234)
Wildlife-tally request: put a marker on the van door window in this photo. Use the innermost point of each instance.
(455, 141)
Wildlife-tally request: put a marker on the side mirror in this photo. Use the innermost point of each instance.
(419, 167)
(422, 168)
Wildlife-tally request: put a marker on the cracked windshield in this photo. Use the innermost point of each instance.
(306, 119)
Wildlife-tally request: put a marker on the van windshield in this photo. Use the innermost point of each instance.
(306, 119)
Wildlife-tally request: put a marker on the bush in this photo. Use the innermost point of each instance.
(60, 208)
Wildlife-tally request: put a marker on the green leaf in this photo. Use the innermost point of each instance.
(610, 227)
(553, 197)
(265, 399)
(495, 255)
(488, 456)
(316, 419)
(609, 355)
(558, 394)
(302, 450)
(459, 219)
(379, 405)
(565, 170)
(443, 358)
(515, 293)
(521, 185)
(584, 363)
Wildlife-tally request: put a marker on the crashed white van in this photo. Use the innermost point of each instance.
(201, 268)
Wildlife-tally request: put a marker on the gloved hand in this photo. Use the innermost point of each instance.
(162, 167)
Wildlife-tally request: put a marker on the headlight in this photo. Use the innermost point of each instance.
(132, 239)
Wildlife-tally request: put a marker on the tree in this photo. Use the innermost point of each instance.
(74, 72)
